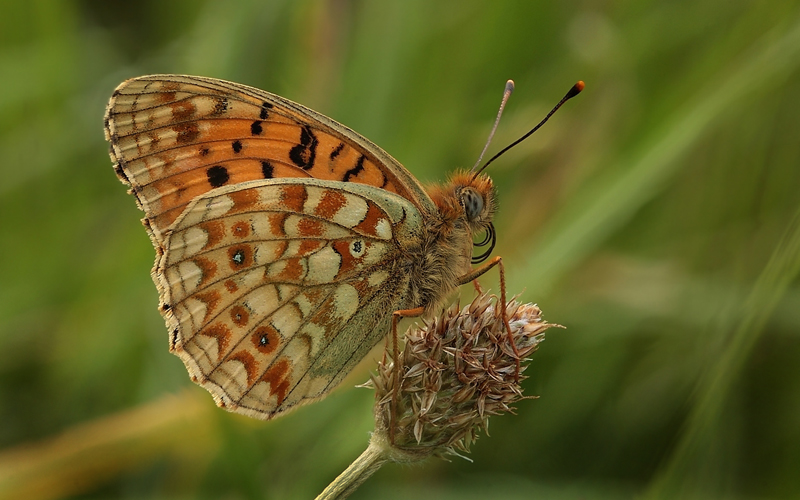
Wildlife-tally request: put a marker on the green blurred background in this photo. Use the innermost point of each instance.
(656, 216)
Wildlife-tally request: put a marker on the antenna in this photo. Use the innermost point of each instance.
(575, 90)
(506, 94)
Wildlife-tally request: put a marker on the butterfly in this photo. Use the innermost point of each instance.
(287, 245)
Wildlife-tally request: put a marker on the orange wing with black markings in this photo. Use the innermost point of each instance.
(174, 138)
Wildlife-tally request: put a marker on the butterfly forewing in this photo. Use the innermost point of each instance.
(175, 138)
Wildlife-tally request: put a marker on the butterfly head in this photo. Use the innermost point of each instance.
(468, 201)
(477, 199)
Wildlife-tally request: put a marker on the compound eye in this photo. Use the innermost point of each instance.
(473, 204)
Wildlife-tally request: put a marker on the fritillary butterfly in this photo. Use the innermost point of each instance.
(285, 242)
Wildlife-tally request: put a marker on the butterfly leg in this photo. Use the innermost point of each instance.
(396, 317)
(474, 275)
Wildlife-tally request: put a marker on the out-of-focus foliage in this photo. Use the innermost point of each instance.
(656, 216)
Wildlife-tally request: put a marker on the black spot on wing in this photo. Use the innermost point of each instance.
(238, 257)
(220, 107)
(237, 146)
(336, 151)
(217, 175)
(256, 128)
(267, 169)
(303, 154)
(355, 170)
(265, 107)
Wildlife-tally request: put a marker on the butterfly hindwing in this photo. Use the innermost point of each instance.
(175, 138)
(274, 289)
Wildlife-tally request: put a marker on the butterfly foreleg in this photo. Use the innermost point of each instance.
(396, 317)
(473, 276)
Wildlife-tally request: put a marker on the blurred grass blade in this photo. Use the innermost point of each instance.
(703, 431)
(87, 455)
(601, 209)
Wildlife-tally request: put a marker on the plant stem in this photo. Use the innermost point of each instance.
(362, 468)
